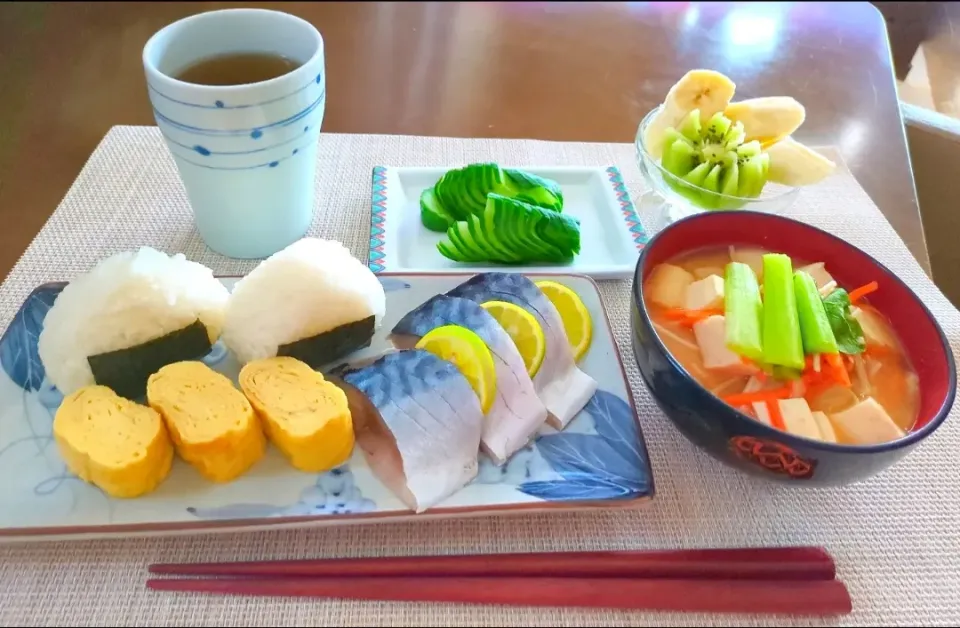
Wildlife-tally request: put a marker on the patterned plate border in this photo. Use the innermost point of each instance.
(378, 220)
(627, 209)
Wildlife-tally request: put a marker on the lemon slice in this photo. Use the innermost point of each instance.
(575, 315)
(467, 351)
(524, 329)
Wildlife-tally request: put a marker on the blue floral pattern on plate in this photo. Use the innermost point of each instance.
(600, 456)
(18, 347)
(333, 493)
(605, 465)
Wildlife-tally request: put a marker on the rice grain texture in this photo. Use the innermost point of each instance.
(308, 288)
(126, 300)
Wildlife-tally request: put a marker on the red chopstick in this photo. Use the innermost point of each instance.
(817, 597)
(782, 580)
(779, 563)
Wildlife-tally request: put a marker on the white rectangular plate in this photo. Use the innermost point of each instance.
(611, 236)
(599, 460)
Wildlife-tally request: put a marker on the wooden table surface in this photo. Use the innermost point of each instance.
(545, 70)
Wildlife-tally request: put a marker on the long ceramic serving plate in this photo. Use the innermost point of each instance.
(599, 460)
(611, 234)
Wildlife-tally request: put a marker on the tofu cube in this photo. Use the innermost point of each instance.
(819, 273)
(875, 330)
(762, 411)
(706, 293)
(667, 285)
(705, 271)
(755, 384)
(798, 419)
(751, 257)
(711, 336)
(827, 432)
(867, 423)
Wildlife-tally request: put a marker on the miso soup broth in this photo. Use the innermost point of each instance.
(780, 340)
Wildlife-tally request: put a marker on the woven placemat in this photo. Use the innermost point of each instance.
(896, 538)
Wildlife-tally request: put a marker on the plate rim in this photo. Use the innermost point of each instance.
(379, 258)
(180, 528)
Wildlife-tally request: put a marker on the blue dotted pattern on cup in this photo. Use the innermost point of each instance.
(254, 132)
(273, 151)
(219, 104)
(206, 152)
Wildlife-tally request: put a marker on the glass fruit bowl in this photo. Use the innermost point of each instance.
(678, 198)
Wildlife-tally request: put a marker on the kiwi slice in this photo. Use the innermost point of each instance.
(710, 159)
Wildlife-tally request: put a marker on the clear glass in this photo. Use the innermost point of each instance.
(666, 200)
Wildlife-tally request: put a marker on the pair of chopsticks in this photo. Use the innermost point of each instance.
(784, 580)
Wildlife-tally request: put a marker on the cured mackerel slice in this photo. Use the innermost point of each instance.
(561, 385)
(517, 412)
(418, 422)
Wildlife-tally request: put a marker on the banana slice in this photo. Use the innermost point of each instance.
(792, 163)
(767, 119)
(706, 90)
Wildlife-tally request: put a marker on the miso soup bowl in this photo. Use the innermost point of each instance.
(744, 443)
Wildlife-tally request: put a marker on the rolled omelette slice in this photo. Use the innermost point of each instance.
(304, 415)
(418, 423)
(212, 424)
(121, 447)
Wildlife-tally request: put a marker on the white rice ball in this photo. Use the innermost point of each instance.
(308, 288)
(126, 300)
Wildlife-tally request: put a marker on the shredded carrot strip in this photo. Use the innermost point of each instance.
(833, 371)
(843, 378)
(837, 371)
(679, 312)
(863, 291)
(702, 314)
(690, 317)
(877, 350)
(776, 417)
(742, 399)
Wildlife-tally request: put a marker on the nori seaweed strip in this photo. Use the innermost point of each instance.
(125, 371)
(324, 348)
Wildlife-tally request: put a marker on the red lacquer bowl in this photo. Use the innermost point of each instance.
(739, 440)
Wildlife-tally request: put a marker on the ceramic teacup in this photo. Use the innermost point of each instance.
(246, 153)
